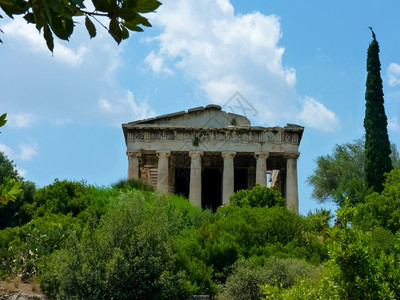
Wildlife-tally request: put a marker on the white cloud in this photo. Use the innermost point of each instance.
(156, 64)
(21, 120)
(126, 109)
(314, 114)
(6, 150)
(394, 74)
(11, 155)
(21, 29)
(22, 172)
(226, 53)
(393, 124)
(26, 151)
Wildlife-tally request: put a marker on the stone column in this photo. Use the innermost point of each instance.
(292, 194)
(133, 165)
(261, 168)
(163, 172)
(228, 176)
(195, 177)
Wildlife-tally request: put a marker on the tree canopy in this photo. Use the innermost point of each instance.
(341, 174)
(59, 17)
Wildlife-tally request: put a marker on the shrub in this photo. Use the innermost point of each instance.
(382, 209)
(247, 276)
(129, 255)
(22, 248)
(134, 184)
(257, 197)
(63, 197)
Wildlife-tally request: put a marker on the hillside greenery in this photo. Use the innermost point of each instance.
(127, 241)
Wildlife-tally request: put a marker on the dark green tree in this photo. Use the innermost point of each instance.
(377, 145)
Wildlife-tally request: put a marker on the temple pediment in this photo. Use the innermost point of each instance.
(210, 116)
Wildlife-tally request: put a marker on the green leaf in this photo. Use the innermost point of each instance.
(125, 33)
(3, 120)
(90, 27)
(30, 18)
(104, 5)
(62, 27)
(143, 20)
(146, 6)
(9, 189)
(48, 36)
(115, 30)
(132, 26)
(16, 7)
(128, 14)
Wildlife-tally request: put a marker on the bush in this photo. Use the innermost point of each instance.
(247, 276)
(22, 248)
(64, 197)
(134, 184)
(233, 233)
(318, 222)
(257, 197)
(382, 209)
(128, 256)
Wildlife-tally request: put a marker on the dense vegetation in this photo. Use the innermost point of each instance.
(129, 242)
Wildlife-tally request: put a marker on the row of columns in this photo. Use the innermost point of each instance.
(227, 175)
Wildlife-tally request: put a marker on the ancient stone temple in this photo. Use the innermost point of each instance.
(207, 154)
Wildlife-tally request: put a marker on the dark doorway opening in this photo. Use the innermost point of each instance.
(182, 181)
(241, 179)
(211, 189)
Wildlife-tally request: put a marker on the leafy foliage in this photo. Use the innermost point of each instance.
(318, 222)
(361, 271)
(86, 242)
(377, 145)
(135, 184)
(63, 197)
(235, 232)
(9, 189)
(59, 17)
(128, 256)
(3, 120)
(383, 209)
(12, 187)
(257, 197)
(342, 175)
(22, 248)
(247, 276)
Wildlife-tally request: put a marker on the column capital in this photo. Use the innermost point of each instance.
(196, 154)
(163, 153)
(294, 155)
(228, 154)
(261, 155)
(133, 153)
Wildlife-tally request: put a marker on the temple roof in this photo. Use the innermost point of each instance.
(209, 116)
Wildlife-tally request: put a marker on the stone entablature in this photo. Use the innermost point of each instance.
(248, 139)
(207, 154)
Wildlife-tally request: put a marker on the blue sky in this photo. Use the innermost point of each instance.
(297, 62)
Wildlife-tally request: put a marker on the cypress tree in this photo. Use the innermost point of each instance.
(377, 145)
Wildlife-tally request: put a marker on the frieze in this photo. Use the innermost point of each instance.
(209, 135)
